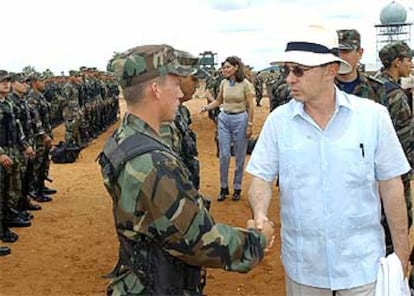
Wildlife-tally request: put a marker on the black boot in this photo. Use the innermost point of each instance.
(4, 251)
(236, 194)
(15, 219)
(223, 193)
(26, 205)
(6, 235)
(47, 190)
(40, 197)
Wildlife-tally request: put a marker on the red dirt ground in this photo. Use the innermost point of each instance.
(72, 241)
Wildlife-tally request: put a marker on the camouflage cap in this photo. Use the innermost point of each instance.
(143, 63)
(394, 50)
(20, 77)
(349, 39)
(4, 75)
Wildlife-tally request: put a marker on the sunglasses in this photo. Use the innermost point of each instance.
(298, 71)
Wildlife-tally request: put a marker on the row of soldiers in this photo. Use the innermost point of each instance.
(25, 143)
(86, 101)
(30, 106)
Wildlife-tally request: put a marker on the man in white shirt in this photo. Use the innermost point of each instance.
(335, 156)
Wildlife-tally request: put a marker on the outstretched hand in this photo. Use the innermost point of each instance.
(265, 226)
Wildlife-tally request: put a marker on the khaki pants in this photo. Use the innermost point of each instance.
(295, 289)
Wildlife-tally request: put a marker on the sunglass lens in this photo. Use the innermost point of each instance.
(297, 71)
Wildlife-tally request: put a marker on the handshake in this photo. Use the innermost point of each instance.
(265, 226)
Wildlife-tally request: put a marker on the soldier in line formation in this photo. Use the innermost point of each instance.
(86, 101)
(30, 105)
(25, 141)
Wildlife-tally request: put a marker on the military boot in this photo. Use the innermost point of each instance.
(47, 190)
(26, 204)
(40, 197)
(6, 235)
(16, 219)
(4, 251)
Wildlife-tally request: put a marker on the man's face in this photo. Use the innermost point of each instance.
(188, 87)
(5, 86)
(405, 66)
(169, 93)
(19, 86)
(306, 83)
(352, 56)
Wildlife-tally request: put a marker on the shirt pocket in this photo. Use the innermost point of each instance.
(356, 165)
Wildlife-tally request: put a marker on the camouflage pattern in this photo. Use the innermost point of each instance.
(349, 39)
(368, 87)
(71, 113)
(41, 162)
(401, 116)
(10, 144)
(24, 134)
(154, 197)
(394, 50)
(143, 63)
(182, 140)
(4, 75)
(280, 96)
(23, 121)
(258, 87)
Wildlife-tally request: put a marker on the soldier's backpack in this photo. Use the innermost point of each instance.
(65, 153)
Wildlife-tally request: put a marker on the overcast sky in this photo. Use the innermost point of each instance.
(64, 35)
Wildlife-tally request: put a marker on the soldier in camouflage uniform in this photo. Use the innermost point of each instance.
(23, 120)
(178, 133)
(213, 85)
(397, 62)
(71, 110)
(258, 88)
(42, 137)
(166, 234)
(8, 148)
(365, 86)
(280, 92)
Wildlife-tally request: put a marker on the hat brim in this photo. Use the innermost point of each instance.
(312, 59)
(5, 77)
(182, 70)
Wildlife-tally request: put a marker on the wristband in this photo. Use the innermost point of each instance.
(249, 123)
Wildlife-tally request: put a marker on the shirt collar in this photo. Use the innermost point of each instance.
(341, 101)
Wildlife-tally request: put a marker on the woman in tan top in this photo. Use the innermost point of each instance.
(234, 122)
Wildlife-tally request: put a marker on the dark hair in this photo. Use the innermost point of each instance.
(235, 61)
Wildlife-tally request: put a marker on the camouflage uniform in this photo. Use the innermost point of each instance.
(182, 139)
(71, 113)
(42, 126)
(387, 92)
(258, 87)
(280, 95)
(20, 187)
(401, 116)
(165, 231)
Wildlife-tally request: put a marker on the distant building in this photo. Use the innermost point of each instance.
(393, 27)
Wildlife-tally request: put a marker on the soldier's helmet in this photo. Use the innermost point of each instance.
(349, 39)
(397, 49)
(143, 63)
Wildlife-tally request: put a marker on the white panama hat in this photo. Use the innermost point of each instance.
(314, 46)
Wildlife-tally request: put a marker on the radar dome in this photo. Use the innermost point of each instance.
(393, 13)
